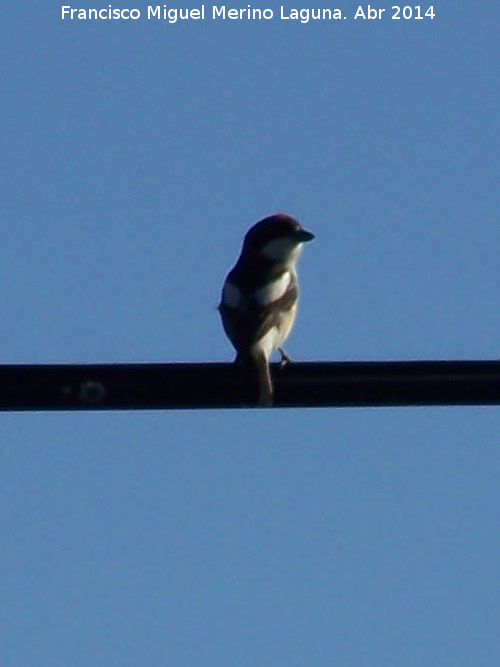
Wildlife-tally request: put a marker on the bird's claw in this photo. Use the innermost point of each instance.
(285, 359)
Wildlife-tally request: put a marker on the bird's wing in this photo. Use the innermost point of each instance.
(247, 317)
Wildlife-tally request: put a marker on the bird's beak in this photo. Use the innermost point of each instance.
(304, 236)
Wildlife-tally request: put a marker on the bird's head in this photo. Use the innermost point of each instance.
(277, 238)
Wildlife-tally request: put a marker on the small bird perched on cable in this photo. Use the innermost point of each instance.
(259, 297)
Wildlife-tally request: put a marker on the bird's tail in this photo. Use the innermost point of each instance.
(258, 366)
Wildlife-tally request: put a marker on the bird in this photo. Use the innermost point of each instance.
(259, 296)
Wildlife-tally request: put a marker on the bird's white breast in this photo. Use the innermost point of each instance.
(273, 290)
(276, 335)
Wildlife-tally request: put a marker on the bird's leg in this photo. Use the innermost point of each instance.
(285, 359)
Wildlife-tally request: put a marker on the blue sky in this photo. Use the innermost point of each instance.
(135, 156)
